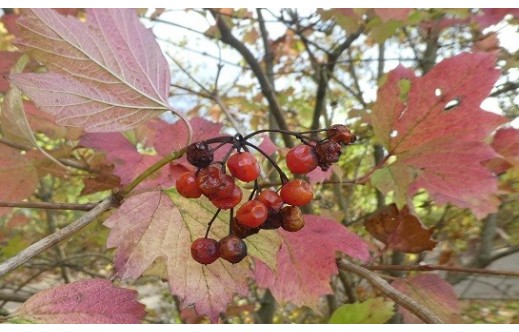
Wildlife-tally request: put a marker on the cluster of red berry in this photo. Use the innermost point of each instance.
(265, 208)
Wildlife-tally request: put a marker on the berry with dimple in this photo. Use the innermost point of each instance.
(292, 219)
(296, 192)
(205, 250)
(232, 249)
(244, 166)
(228, 201)
(241, 231)
(252, 214)
(271, 199)
(301, 159)
(328, 153)
(199, 154)
(341, 134)
(212, 181)
(186, 185)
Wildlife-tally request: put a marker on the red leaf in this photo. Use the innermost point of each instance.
(318, 176)
(104, 75)
(9, 22)
(399, 230)
(397, 14)
(268, 146)
(506, 143)
(150, 231)
(94, 301)
(7, 60)
(306, 261)
(441, 149)
(432, 292)
(494, 15)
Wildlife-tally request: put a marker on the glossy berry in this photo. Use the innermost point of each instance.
(212, 181)
(205, 250)
(328, 153)
(252, 214)
(199, 154)
(241, 231)
(301, 159)
(292, 219)
(186, 185)
(296, 192)
(244, 166)
(227, 202)
(341, 134)
(271, 199)
(232, 249)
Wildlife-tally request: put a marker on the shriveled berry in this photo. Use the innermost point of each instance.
(273, 220)
(296, 192)
(199, 154)
(292, 220)
(186, 185)
(271, 199)
(205, 250)
(212, 181)
(301, 159)
(244, 166)
(241, 231)
(328, 153)
(229, 201)
(252, 214)
(232, 249)
(341, 134)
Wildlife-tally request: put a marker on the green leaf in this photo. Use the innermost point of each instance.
(371, 311)
(395, 178)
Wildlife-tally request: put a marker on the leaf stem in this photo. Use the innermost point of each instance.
(211, 222)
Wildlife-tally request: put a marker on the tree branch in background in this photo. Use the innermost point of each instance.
(49, 205)
(432, 267)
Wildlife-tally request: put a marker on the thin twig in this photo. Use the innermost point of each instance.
(400, 298)
(50, 206)
(432, 267)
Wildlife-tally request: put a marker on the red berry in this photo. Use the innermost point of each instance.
(271, 199)
(199, 154)
(186, 185)
(301, 159)
(292, 220)
(229, 201)
(341, 134)
(296, 192)
(244, 166)
(212, 181)
(232, 249)
(205, 250)
(252, 214)
(241, 231)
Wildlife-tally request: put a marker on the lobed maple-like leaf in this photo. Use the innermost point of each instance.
(156, 229)
(306, 261)
(439, 148)
(399, 230)
(17, 176)
(372, 311)
(434, 293)
(104, 75)
(94, 301)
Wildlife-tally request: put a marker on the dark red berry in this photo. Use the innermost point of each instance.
(232, 249)
(271, 199)
(252, 214)
(229, 201)
(296, 192)
(186, 185)
(273, 220)
(341, 134)
(292, 219)
(244, 166)
(328, 153)
(214, 183)
(241, 231)
(301, 159)
(205, 250)
(199, 154)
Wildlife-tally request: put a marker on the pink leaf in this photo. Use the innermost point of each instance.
(432, 292)
(494, 15)
(441, 147)
(397, 14)
(306, 261)
(103, 75)
(506, 143)
(94, 301)
(159, 236)
(318, 176)
(17, 176)
(268, 146)
(9, 22)
(7, 60)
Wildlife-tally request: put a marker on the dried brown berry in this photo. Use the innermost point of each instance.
(199, 154)
(328, 153)
(292, 219)
(341, 134)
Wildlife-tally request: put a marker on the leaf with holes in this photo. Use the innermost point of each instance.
(161, 234)
(432, 292)
(435, 128)
(306, 261)
(372, 311)
(94, 301)
(103, 75)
